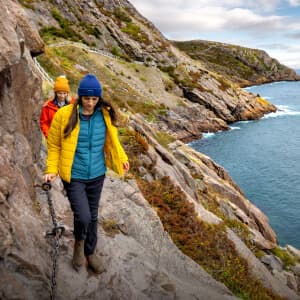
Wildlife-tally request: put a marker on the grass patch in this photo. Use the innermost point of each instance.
(228, 60)
(58, 61)
(285, 257)
(118, 52)
(65, 31)
(164, 139)
(122, 15)
(224, 84)
(51, 67)
(93, 30)
(181, 77)
(134, 31)
(149, 109)
(27, 3)
(239, 228)
(135, 145)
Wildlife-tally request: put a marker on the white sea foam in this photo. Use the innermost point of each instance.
(207, 135)
(235, 128)
(243, 122)
(282, 110)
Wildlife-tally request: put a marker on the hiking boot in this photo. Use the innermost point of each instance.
(96, 263)
(78, 254)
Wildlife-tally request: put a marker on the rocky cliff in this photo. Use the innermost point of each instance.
(177, 227)
(241, 65)
(117, 28)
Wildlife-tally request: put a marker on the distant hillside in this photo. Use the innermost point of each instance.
(197, 99)
(241, 65)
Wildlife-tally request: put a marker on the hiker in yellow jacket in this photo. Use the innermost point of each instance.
(82, 142)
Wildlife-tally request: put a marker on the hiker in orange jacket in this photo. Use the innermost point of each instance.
(61, 90)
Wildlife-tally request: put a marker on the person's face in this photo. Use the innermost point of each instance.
(89, 103)
(61, 96)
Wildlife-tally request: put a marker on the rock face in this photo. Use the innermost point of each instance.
(142, 261)
(20, 100)
(241, 65)
(139, 264)
(116, 27)
(220, 187)
(25, 264)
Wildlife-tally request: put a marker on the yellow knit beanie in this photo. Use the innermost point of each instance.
(61, 84)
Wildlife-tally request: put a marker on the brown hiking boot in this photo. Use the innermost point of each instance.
(78, 254)
(96, 263)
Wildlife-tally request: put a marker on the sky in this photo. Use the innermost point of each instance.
(270, 25)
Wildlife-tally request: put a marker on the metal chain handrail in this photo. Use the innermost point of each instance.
(56, 232)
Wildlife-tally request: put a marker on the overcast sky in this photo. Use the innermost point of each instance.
(271, 25)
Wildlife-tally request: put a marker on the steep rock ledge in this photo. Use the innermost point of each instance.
(142, 261)
(204, 182)
(119, 29)
(25, 262)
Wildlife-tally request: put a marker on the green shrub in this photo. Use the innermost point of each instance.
(27, 3)
(93, 30)
(132, 29)
(135, 32)
(134, 144)
(65, 32)
(122, 15)
(116, 51)
(285, 257)
(164, 139)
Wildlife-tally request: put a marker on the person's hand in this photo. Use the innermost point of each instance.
(126, 166)
(49, 177)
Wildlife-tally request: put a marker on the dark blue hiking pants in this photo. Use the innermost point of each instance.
(84, 197)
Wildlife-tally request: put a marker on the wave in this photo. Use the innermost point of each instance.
(275, 82)
(234, 127)
(282, 110)
(207, 135)
(253, 87)
(244, 122)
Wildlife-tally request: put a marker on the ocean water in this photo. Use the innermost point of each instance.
(263, 158)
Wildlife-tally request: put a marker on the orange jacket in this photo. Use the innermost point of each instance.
(47, 114)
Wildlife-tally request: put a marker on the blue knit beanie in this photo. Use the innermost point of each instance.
(89, 86)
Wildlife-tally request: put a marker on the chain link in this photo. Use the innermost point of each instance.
(56, 234)
(54, 266)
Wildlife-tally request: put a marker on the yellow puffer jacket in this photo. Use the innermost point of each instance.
(61, 151)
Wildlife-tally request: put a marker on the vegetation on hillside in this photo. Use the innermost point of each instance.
(206, 244)
(75, 62)
(239, 64)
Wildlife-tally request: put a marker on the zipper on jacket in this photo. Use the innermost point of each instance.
(90, 146)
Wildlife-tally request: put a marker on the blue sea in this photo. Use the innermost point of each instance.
(263, 158)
